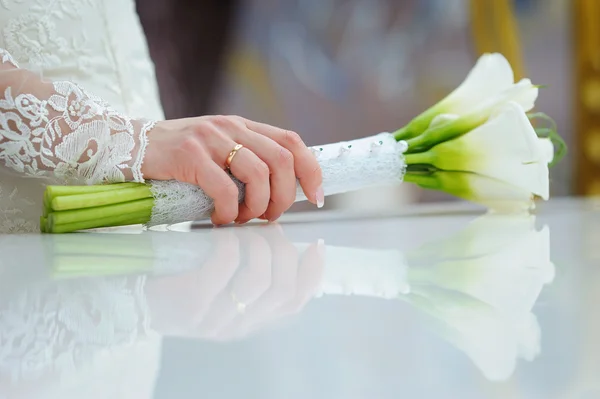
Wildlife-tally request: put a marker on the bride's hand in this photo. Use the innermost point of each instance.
(195, 150)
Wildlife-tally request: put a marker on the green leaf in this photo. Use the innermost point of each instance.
(560, 146)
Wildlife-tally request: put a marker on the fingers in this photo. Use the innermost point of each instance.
(270, 165)
(218, 185)
(252, 171)
(280, 162)
(306, 167)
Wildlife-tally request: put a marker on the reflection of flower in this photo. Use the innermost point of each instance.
(482, 287)
(510, 279)
(492, 339)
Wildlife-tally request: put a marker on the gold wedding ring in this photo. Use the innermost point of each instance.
(232, 155)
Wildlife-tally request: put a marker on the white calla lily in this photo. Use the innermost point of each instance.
(490, 82)
(488, 85)
(546, 149)
(504, 151)
(496, 195)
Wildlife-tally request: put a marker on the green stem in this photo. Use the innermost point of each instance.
(421, 158)
(423, 180)
(56, 191)
(560, 146)
(403, 134)
(102, 212)
(112, 221)
(447, 131)
(46, 207)
(92, 200)
(417, 125)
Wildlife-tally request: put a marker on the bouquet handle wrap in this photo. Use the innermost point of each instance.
(346, 166)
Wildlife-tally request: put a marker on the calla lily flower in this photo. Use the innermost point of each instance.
(501, 160)
(488, 85)
(496, 195)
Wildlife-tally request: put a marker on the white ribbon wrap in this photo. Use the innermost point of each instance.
(346, 166)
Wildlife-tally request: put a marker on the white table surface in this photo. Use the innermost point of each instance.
(436, 301)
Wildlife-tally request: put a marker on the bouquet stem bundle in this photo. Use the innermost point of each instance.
(74, 208)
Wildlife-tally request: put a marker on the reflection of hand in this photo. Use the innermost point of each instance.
(254, 276)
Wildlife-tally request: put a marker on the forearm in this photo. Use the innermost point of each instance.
(57, 130)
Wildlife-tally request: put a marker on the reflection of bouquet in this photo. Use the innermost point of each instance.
(477, 143)
(477, 287)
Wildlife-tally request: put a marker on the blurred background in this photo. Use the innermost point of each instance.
(335, 70)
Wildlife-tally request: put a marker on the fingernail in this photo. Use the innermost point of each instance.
(320, 197)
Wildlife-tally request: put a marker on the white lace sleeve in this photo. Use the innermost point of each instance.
(57, 130)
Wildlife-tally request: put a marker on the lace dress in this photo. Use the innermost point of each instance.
(71, 339)
(53, 56)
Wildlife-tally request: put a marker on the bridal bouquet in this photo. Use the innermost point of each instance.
(478, 143)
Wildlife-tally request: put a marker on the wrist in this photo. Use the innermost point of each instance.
(150, 149)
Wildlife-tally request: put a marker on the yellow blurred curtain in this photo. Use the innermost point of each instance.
(585, 22)
(494, 28)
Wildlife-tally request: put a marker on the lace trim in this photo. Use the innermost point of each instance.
(137, 165)
(70, 135)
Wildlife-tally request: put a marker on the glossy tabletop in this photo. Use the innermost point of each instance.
(437, 301)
